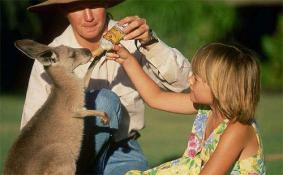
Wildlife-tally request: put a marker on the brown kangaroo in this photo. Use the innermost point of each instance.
(50, 142)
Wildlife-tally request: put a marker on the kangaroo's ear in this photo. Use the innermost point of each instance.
(43, 53)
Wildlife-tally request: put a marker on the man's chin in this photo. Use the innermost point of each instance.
(90, 35)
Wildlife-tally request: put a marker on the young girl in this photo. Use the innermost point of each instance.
(224, 92)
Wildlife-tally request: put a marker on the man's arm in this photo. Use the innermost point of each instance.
(166, 66)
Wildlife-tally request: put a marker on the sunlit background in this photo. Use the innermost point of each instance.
(183, 24)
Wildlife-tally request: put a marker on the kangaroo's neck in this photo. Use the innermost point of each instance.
(67, 87)
(63, 79)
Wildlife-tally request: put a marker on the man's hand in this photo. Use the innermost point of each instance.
(136, 28)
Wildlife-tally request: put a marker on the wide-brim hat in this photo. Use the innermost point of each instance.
(50, 5)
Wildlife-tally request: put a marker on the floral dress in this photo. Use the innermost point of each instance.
(198, 153)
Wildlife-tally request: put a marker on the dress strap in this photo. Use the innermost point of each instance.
(255, 126)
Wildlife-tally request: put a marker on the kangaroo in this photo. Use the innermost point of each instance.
(50, 142)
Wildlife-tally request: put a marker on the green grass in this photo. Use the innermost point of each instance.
(165, 135)
(10, 114)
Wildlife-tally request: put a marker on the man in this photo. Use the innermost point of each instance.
(110, 90)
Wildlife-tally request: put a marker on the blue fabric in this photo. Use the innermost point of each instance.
(100, 154)
(125, 157)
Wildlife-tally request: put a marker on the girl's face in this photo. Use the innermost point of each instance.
(88, 21)
(200, 91)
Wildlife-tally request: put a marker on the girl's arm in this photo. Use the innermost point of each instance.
(149, 91)
(231, 145)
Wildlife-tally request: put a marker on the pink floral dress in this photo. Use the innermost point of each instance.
(198, 153)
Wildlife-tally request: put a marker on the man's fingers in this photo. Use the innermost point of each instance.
(139, 33)
(137, 23)
(127, 20)
(136, 28)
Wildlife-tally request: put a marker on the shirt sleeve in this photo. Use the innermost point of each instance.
(166, 66)
(37, 92)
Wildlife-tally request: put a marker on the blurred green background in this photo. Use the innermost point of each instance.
(183, 24)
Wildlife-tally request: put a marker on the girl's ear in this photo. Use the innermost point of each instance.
(34, 50)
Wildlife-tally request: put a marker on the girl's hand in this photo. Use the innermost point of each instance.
(119, 54)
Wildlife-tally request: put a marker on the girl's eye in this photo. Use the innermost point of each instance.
(194, 77)
(197, 78)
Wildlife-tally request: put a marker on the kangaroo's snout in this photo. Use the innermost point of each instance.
(87, 52)
(87, 55)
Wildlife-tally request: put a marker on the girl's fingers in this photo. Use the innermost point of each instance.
(118, 60)
(116, 47)
(118, 54)
(112, 54)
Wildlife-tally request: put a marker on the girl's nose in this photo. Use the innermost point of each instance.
(88, 14)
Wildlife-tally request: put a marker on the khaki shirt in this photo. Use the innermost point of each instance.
(165, 65)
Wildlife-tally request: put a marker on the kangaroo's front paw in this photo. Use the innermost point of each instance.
(85, 113)
(104, 119)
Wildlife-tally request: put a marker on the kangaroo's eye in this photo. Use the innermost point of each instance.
(72, 54)
(53, 57)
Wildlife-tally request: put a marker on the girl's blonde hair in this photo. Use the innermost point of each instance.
(233, 74)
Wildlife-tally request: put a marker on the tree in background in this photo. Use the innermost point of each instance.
(183, 24)
(272, 71)
(16, 23)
